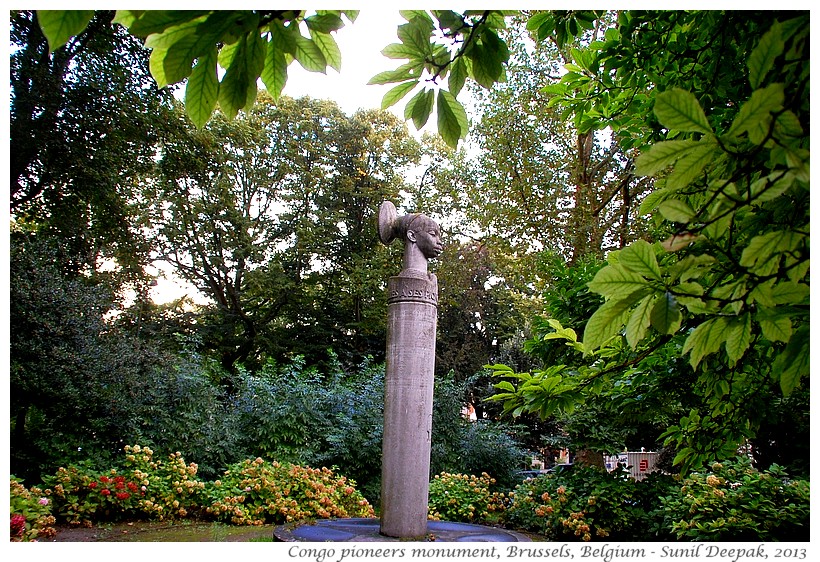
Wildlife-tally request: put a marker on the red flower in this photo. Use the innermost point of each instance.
(104, 479)
(120, 485)
(123, 495)
(105, 492)
(92, 485)
(119, 479)
(132, 486)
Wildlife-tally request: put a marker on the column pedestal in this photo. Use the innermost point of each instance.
(408, 403)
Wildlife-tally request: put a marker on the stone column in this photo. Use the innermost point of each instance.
(408, 403)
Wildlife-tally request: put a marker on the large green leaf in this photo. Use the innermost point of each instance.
(275, 73)
(308, 54)
(149, 22)
(662, 155)
(457, 76)
(679, 110)
(793, 362)
(706, 339)
(639, 257)
(666, 316)
(609, 319)
(396, 93)
(420, 107)
(691, 164)
(614, 281)
(755, 115)
(244, 61)
(202, 90)
(739, 338)
(764, 54)
(329, 48)
(639, 321)
(676, 210)
(61, 25)
(452, 118)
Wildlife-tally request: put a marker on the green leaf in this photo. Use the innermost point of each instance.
(275, 73)
(401, 51)
(755, 115)
(202, 90)
(679, 110)
(608, 320)
(706, 339)
(676, 210)
(762, 59)
(639, 257)
(789, 292)
(402, 74)
(150, 22)
(324, 23)
(666, 316)
(397, 92)
(244, 61)
(691, 165)
(614, 281)
(308, 54)
(793, 362)
(452, 118)
(661, 155)
(758, 254)
(419, 108)
(639, 321)
(457, 77)
(327, 45)
(61, 25)
(739, 338)
(505, 385)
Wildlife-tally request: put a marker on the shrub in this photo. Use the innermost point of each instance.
(171, 489)
(30, 512)
(462, 497)
(258, 492)
(584, 503)
(145, 487)
(736, 502)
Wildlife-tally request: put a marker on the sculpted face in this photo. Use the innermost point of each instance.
(427, 236)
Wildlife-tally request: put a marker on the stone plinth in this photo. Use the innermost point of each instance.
(408, 403)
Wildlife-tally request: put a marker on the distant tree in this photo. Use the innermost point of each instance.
(271, 214)
(83, 126)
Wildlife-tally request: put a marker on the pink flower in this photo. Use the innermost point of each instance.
(18, 525)
(43, 501)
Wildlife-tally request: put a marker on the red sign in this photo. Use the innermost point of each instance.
(643, 465)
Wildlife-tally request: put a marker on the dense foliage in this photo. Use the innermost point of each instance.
(727, 282)
(730, 502)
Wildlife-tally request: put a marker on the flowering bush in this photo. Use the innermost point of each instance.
(736, 502)
(461, 497)
(257, 492)
(584, 503)
(145, 487)
(30, 510)
(82, 495)
(169, 489)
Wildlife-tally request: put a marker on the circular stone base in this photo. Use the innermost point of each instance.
(367, 530)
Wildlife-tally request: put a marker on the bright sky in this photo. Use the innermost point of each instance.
(360, 43)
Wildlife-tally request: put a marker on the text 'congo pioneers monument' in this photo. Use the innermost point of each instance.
(412, 298)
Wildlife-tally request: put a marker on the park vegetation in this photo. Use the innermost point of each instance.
(626, 214)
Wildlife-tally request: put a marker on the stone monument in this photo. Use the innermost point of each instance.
(412, 298)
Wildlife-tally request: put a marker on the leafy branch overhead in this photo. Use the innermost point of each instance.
(222, 54)
(453, 47)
